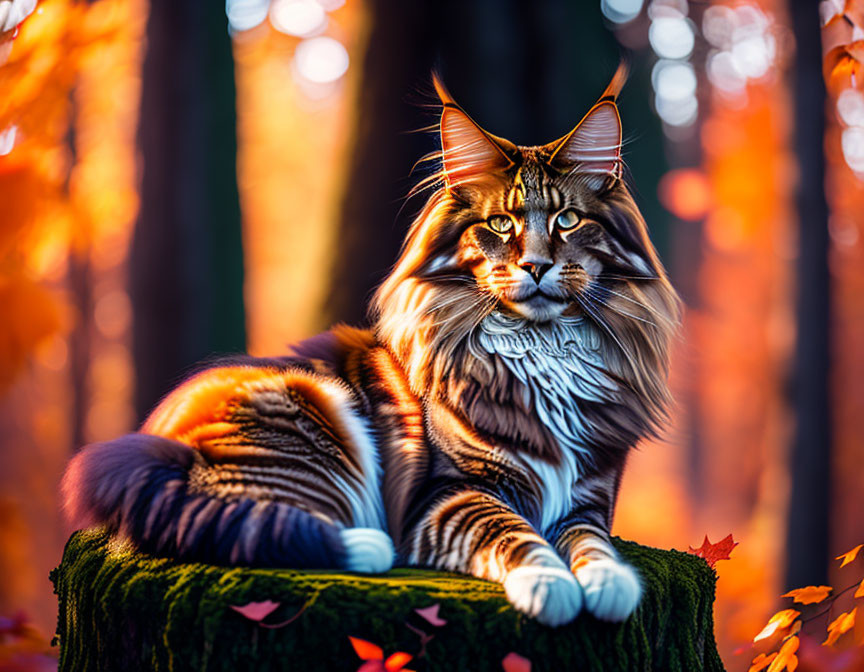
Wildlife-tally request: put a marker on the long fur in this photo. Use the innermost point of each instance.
(138, 485)
(519, 350)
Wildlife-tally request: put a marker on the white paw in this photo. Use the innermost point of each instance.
(549, 594)
(611, 588)
(367, 550)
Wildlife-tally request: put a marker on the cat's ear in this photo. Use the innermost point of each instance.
(593, 148)
(467, 150)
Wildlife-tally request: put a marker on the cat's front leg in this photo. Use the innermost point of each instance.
(611, 588)
(475, 533)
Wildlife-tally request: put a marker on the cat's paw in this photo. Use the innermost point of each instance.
(611, 588)
(549, 594)
(367, 550)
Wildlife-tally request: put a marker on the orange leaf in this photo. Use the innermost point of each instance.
(850, 556)
(839, 626)
(366, 650)
(397, 661)
(779, 621)
(761, 661)
(786, 658)
(714, 552)
(860, 591)
(810, 594)
(796, 628)
(858, 635)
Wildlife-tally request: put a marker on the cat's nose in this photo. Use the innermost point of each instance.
(536, 270)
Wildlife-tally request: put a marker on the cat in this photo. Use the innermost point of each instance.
(519, 349)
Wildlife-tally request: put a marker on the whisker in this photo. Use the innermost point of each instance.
(590, 308)
(656, 313)
(616, 309)
(621, 311)
(611, 276)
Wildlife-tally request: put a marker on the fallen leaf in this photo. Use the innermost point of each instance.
(431, 615)
(849, 556)
(809, 594)
(779, 621)
(367, 650)
(839, 626)
(761, 661)
(786, 658)
(860, 591)
(397, 661)
(374, 657)
(714, 552)
(372, 666)
(513, 662)
(256, 611)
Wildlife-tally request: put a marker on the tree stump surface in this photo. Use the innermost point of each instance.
(124, 610)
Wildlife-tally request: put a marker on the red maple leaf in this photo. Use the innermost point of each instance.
(714, 552)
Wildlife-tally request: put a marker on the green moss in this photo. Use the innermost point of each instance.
(122, 610)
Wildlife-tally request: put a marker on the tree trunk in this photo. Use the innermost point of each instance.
(128, 611)
(809, 515)
(186, 261)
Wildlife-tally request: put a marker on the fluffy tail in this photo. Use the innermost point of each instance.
(138, 486)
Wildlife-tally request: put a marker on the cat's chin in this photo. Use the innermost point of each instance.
(537, 308)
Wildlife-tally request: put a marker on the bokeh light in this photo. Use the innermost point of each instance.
(246, 14)
(850, 107)
(673, 78)
(321, 60)
(621, 11)
(745, 47)
(671, 37)
(853, 148)
(7, 140)
(675, 92)
(677, 112)
(686, 193)
(302, 18)
(724, 74)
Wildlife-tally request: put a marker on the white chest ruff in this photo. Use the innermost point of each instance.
(558, 364)
(556, 486)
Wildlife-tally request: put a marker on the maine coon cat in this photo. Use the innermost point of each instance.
(518, 351)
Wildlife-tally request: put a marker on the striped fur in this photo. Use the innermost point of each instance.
(518, 352)
(269, 465)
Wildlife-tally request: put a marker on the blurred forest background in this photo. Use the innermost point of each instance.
(178, 181)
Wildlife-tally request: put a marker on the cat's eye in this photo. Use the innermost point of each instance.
(500, 224)
(567, 220)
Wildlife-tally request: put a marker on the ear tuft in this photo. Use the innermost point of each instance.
(467, 150)
(617, 82)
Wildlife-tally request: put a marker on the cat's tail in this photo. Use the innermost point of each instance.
(138, 486)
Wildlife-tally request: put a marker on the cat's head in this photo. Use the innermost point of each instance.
(539, 233)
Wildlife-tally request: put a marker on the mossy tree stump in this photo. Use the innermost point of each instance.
(123, 610)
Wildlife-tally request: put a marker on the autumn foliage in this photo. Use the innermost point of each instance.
(786, 629)
(714, 552)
